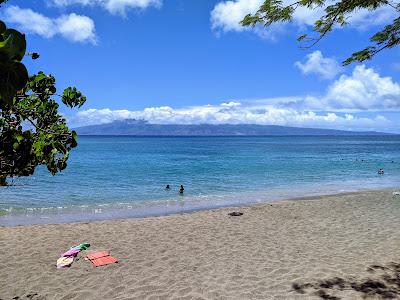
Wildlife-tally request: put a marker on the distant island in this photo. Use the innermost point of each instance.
(143, 128)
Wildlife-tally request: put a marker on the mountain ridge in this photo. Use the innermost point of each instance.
(142, 128)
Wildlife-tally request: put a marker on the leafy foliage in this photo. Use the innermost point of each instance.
(32, 130)
(14, 74)
(47, 141)
(336, 14)
(387, 38)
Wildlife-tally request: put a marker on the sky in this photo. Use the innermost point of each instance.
(190, 62)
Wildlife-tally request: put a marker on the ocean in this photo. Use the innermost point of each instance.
(121, 176)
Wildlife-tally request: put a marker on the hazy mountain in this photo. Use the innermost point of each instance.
(138, 127)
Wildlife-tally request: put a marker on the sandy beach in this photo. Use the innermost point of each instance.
(345, 246)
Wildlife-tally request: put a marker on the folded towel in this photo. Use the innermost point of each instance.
(101, 258)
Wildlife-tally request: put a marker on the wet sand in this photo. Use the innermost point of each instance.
(340, 245)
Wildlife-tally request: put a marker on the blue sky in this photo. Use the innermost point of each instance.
(176, 61)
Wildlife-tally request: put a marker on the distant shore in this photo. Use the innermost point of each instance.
(298, 249)
(132, 127)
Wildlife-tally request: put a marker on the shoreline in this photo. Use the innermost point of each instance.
(207, 209)
(144, 209)
(262, 254)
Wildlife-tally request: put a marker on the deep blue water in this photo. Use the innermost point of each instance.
(116, 174)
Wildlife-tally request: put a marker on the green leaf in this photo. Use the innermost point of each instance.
(18, 75)
(16, 45)
(19, 138)
(14, 78)
(3, 27)
(40, 76)
(72, 97)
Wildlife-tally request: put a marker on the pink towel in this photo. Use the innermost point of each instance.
(71, 252)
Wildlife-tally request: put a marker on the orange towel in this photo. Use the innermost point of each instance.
(102, 261)
(101, 258)
(99, 254)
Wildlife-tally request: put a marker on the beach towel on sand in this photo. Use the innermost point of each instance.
(101, 258)
(67, 258)
(71, 252)
(65, 262)
(81, 247)
(96, 255)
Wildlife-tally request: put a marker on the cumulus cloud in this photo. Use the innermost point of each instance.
(113, 6)
(226, 16)
(76, 28)
(73, 27)
(28, 20)
(364, 19)
(120, 6)
(316, 63)
(362, 91)
(232, 114)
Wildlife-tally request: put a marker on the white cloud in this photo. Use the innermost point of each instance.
(361, 19)
(226, 16)
(76, 28)
(30, 21)
(316, 63)
(120, 6)
(113, 6)
(364, 19)
(73, 27)
(365, 89)
(304, 16)
(362, 91)
(237, 114)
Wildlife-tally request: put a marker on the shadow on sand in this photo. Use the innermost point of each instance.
(383, 284)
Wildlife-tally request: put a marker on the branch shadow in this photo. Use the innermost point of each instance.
(383, 284)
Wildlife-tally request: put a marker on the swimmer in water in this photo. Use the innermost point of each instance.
(181, 189)
(167, 187)
(381, 172)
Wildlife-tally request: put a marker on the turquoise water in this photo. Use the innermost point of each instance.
(109, 177)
